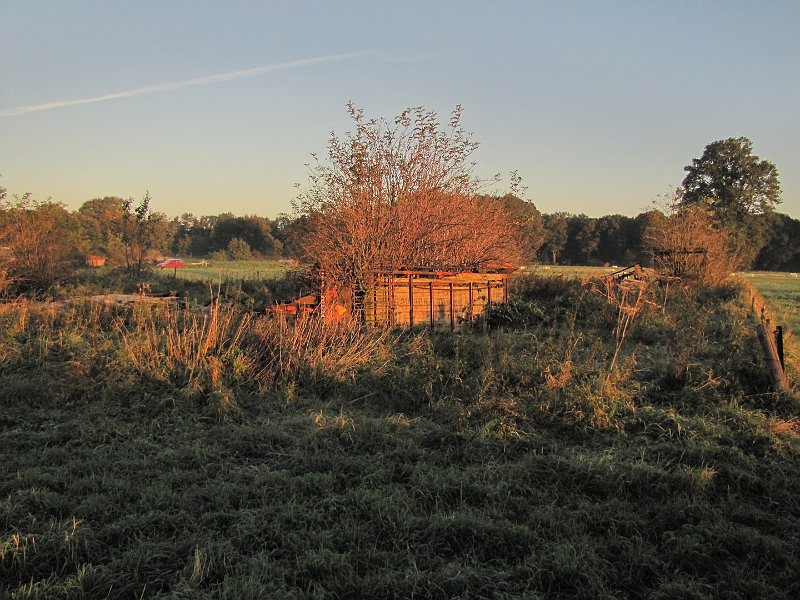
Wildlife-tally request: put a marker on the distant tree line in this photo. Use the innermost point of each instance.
(576, 239)
(401, 193)
(41, 241)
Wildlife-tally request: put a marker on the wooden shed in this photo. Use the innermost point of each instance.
(437, 299)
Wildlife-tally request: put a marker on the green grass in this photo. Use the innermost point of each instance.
(143, 455)
(257, 283)
(218, 272)
(782, 293)
(578, 271)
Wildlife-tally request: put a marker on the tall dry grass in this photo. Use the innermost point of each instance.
(226, 348)
(199, 352)
(312, 348)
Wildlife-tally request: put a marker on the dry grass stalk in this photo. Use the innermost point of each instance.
(187, 346)
(286, 348)
(340, 421)
(788, 428)
(630, 298)
(564, 376)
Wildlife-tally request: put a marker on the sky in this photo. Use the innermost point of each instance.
(217, 107)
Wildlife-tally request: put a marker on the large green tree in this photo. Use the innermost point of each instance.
(782, 250)
(737, 187)
(555, 226)
(525, 216)
(101, 224)
(732, 181)
(252, 229)
(582, 238)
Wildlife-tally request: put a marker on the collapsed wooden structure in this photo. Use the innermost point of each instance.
(409, 298)
(680, 262)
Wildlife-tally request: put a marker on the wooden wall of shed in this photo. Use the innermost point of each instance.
(446, 303)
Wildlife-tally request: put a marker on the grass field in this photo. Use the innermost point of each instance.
(157, 453)
(782, 293)
(780, 290)
(258, 283)
(218, 272)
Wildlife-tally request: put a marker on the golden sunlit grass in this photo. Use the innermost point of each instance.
(154, 452)
(789, 427)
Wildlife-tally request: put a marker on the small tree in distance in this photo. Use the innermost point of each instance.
(142, 231)
(401, 194)
(238, 249)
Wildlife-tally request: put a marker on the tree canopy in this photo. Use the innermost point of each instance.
(738, 189)
(400, 193)
(732, 181)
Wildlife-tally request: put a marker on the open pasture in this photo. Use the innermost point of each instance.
(159, 453)
(220, 272)
(782, 293)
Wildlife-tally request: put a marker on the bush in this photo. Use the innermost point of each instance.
(238, 249)
(517, 314)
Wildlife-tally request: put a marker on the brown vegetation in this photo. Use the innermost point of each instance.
(37, 243)
(688, 243)
(401, 194)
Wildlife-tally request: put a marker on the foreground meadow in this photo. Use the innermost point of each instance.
(549, 453)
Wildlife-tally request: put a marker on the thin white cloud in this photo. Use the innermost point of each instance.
(177, 85)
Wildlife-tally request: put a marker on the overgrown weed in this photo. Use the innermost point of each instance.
(199, 353)
(313, 351)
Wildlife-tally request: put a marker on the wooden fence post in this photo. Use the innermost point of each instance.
(772, 345)
(452, 309)
(430, 301)
(471, 304)
(410, 300)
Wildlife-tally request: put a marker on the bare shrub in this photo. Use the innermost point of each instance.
(38, 244)
(401, 194)
(689, 243)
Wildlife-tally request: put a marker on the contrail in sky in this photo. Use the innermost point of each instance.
(177, 85)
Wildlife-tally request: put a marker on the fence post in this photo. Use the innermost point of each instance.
(430, 300)
(779, 345)
(410, 300)
(771, 344)
(452, 309)
(375, 304)
(390, 304)
(471, 304)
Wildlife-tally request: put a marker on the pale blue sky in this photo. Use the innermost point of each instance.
(216, 107)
